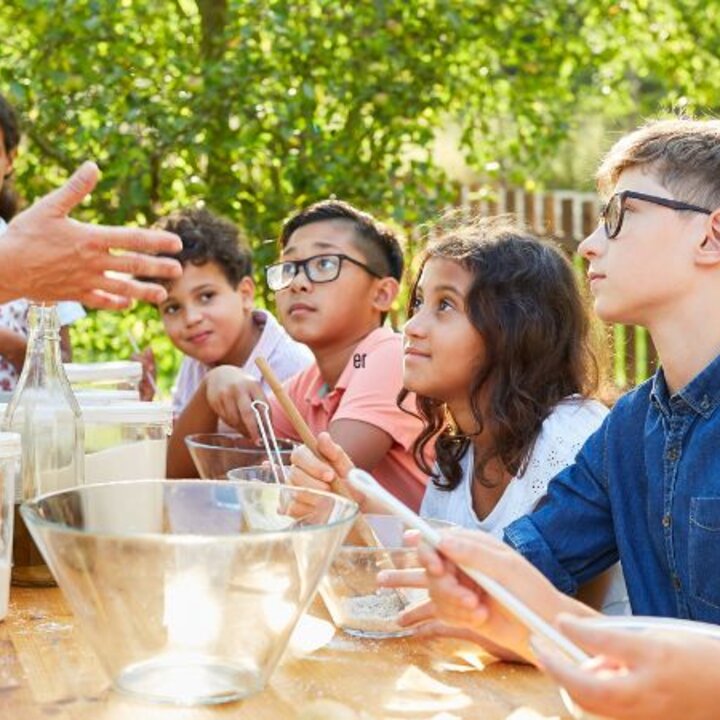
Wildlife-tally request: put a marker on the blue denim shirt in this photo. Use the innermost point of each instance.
(645, 489)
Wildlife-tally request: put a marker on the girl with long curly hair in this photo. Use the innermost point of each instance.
(498, 352)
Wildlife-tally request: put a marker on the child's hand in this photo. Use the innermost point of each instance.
(422, 615)
(149, 373)
(12, 347)
(408, 578)
(638, 676)
(230, 393)
(309, 471)
(422, 618)
(458, 601)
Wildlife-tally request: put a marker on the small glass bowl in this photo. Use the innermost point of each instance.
(216, 453)
(261, 473)
(356, 603)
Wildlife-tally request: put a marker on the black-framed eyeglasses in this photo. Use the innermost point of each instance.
(613, 212)
(318, 269)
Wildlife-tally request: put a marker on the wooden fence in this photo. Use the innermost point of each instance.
(567, 217)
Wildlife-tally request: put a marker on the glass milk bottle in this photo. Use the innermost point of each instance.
(45, 412)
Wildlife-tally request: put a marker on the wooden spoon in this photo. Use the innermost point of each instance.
(361, 532)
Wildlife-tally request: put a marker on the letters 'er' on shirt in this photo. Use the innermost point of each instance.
(366, 391)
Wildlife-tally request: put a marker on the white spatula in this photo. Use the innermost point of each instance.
(367, 484)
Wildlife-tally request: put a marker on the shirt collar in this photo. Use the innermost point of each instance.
(701, 394)
(319, 390)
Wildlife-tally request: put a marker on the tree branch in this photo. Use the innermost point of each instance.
(213, 20)
(51, 150)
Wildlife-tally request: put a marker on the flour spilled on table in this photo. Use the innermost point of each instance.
(374, 613)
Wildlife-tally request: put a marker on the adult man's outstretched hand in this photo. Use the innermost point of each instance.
(45, 255)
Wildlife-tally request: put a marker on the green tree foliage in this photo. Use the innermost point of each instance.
(650, 59)
(256, 107)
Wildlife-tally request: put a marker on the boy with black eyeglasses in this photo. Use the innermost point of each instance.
(338, 275)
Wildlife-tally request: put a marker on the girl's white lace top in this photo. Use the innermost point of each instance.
(562, 435)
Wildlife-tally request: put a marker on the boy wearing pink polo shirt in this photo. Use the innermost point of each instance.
(337, 278)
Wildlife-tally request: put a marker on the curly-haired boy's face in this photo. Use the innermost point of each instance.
(207, 318)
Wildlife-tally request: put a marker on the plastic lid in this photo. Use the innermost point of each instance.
(138, 413)
(127, 370)
(10, 445)
(106, 397)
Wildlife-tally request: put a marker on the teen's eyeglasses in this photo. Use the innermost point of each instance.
(613, 213)
(318, 269)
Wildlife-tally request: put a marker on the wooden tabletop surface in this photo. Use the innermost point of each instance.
(47, 671)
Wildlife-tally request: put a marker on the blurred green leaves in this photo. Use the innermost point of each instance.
(104, 336)
(257, 107)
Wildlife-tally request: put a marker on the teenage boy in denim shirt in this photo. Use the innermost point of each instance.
(645, 488)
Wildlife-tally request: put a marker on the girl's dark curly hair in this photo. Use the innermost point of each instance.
(525, 302)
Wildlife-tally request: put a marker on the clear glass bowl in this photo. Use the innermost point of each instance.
(187, 590)
(216, 453)
(262, 473)
(350, 590)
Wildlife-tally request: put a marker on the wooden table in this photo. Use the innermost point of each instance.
(48, 671)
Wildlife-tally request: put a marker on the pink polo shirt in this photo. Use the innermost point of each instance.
(367, 391)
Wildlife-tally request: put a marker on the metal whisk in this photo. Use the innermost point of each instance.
(261, 411)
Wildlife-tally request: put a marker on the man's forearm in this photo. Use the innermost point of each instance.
(13, 346)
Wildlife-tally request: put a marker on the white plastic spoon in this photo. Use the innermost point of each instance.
(367, 484)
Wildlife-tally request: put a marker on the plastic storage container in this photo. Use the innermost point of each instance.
(120, 375)
(126, 441)
(10, 449)
(106, 397)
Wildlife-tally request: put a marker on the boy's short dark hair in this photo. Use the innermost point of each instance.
(207, 237)
(684, 155)
(378, 243)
